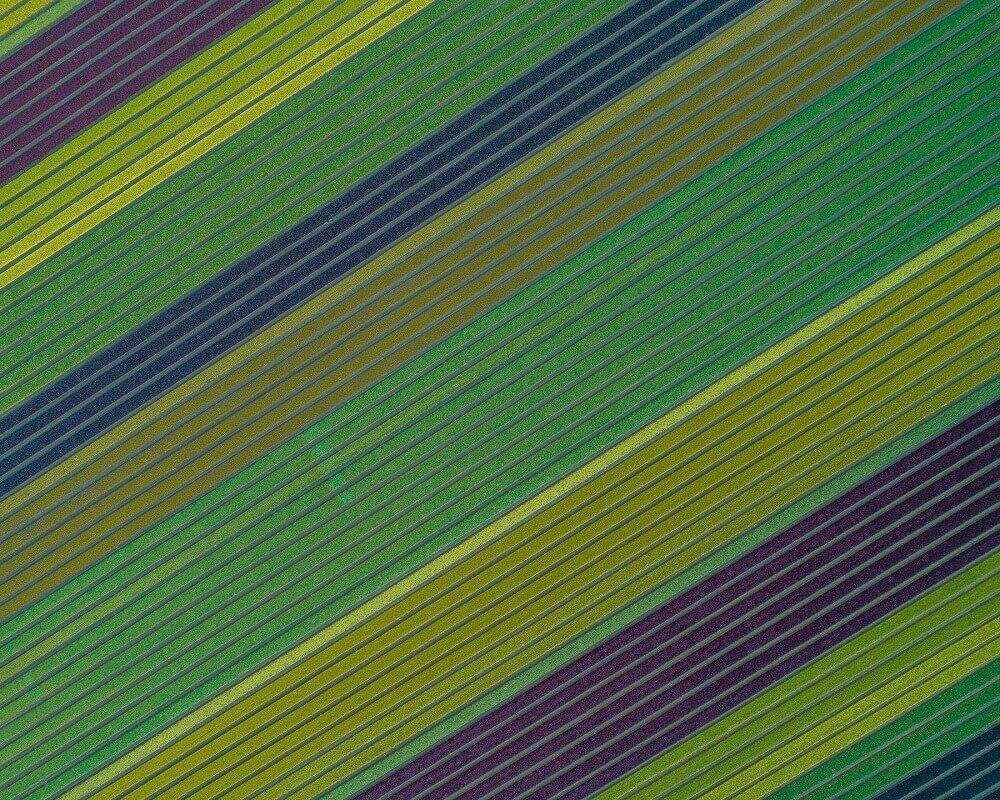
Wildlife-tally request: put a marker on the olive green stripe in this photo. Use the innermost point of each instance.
(419, 427)
(197, 564)
(766, 431)
(210, 392)
(315, 601)
(104, 709)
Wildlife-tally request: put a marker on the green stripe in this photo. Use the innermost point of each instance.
(180, 234)
(869, 766)
(641, 404)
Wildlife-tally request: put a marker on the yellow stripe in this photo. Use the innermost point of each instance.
(491, 632)
(492, 534)
(45, 194)
(11, 20)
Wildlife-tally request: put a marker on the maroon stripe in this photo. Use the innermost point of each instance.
(46, 113)
(560, 697)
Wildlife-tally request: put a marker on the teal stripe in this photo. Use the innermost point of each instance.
(905, 744)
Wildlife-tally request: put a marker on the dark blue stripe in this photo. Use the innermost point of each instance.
(168, 349)
(930, 781)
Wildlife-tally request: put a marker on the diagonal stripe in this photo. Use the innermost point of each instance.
(177, 677)
(275, 173)
(952, 769)
(906, 743)
(139, 630)
(456, 563)
(408, 755)
(169, 125)
(255, 292)
(25, 19)
(841, 697)
(47, 99)
(588, 754)
(575, 694)
(495, 349)
(139, 473)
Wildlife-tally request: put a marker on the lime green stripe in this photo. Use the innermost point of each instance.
(30, 20)
(905, 744)
(152, 244)
(169, 125)
(800, 714)
(520, 682)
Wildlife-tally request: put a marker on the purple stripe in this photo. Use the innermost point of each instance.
(90, 15)
(38, 126)
(682, 616)
(661, 729)
(651, 706)
(18, 70)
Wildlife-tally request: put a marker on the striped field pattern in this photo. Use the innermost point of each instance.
(499, 399)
